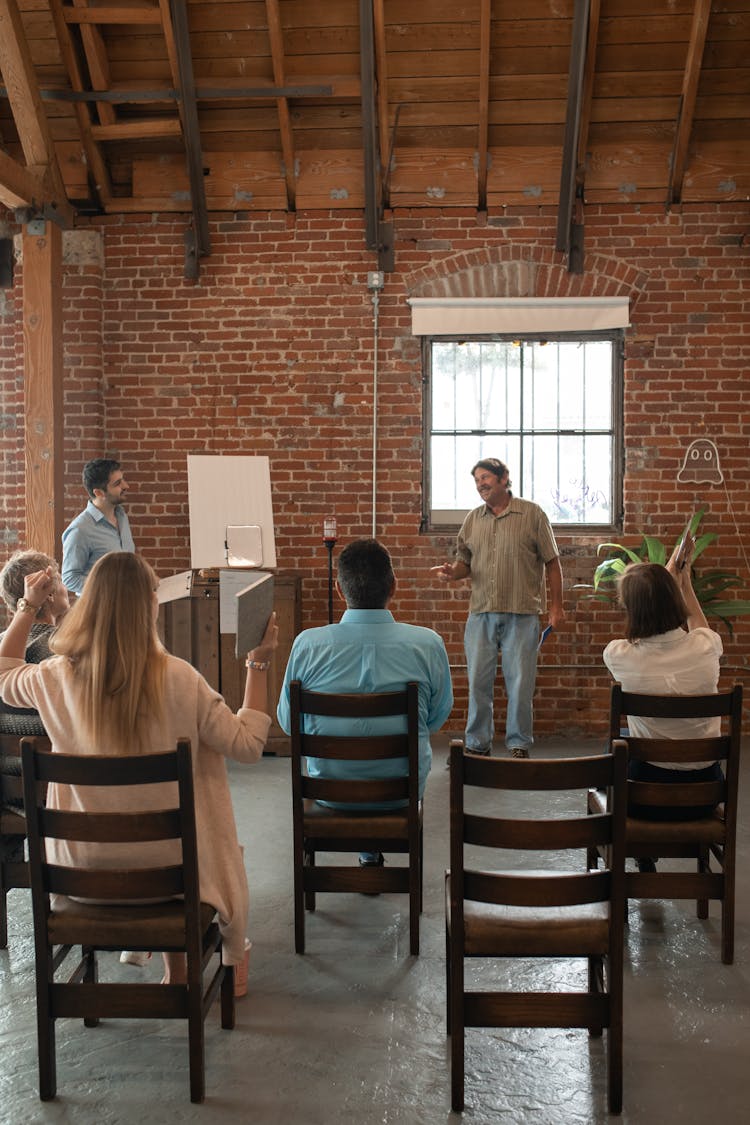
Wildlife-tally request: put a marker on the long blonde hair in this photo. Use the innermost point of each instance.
(115, 654)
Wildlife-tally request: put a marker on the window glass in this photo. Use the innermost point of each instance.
(547, 407)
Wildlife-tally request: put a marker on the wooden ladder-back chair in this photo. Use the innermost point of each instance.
(180, 923)
(14, 870)
(558, 912)
(318, 828)
(703, 838)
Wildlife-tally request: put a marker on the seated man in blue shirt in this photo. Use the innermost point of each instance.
(101, 527)
(368, 651)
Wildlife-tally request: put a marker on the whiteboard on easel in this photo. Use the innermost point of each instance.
(224, 493)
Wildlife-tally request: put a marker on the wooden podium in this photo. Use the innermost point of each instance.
(189, 628)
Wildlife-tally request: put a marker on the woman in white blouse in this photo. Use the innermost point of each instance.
(668, 649)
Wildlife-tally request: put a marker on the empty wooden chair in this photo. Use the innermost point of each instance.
(703, 838)
(318, 828)
(180, 923)
(14, 870)
(558, 912)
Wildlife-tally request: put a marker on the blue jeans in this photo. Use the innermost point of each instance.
(516, 637)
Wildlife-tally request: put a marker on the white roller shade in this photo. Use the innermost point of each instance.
(475, 316)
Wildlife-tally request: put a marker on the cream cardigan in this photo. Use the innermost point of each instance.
(191, 710)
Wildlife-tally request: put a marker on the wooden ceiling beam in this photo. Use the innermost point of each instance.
(276, 38)
(26, 106)
(572, 124)
(178, 33)
(19, 186)
(381, 71)
(369, 123)
(589, 72)
(98, 173)
(483, 132)
(97, 62)
(686, 114)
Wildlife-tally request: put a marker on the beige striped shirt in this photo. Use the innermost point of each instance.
(506, 555)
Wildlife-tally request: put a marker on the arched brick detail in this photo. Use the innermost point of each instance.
(513, 272)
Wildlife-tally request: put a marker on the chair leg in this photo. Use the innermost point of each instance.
(90, 976)
(727, 919)
(704, 867)
(3, 918)
(457, 1062)
(299, 907)
(415, 878)
(196, 1040)
(309, 861)
(45, 1027)
(614, 1043)
(447, 981)
(596, 987)
(227, 998)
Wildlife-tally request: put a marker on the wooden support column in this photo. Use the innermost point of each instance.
(43, 396)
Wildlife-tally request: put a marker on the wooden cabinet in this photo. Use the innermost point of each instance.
(189, 628)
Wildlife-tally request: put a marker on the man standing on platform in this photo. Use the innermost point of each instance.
(101, 527)
(506, 547)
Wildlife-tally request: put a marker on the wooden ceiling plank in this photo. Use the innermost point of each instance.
(686, 115)
(26, 106)
(141, 129)
(485, 25)
(276, 39)
(94, 158)
(114, 15)
(572, 123)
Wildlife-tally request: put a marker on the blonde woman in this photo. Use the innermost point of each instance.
(111, 688)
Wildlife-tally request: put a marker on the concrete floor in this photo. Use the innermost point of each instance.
(354, 1031)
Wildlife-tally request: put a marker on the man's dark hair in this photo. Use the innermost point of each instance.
(96, 473)
(492, 465)
(365, 574)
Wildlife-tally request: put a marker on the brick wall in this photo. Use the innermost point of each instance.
(271, 352)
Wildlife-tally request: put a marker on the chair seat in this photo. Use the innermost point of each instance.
(534, 931)
(338, 823)
(159, 926)
(705, 830)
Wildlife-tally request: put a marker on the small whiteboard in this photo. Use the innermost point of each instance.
(228, 492)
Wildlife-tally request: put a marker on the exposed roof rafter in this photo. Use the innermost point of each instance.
(691, 77)
(43, 181)
(576, 71)
(276, 38)
(483, 137)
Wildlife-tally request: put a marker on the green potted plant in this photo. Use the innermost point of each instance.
(710, 586)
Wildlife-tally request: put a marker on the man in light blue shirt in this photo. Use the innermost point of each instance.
(368, 651)
(101, 527)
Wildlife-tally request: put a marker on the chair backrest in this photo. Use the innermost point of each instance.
(11, 783)
(96, 881)
(724, 747)
(353, 747)
(540, 833)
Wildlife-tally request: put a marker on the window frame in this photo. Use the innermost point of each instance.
(617, 337)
